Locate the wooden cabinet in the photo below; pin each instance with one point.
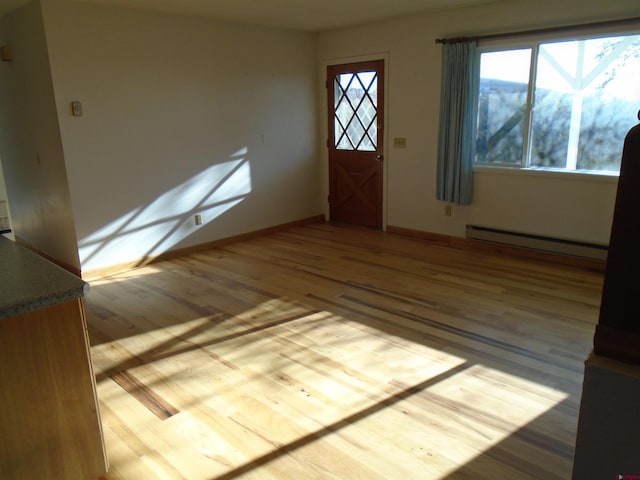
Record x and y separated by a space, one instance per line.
49 418
48 407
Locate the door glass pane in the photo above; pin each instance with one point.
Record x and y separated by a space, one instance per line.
355 106
502 106
355 131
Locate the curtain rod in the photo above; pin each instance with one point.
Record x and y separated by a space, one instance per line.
538 31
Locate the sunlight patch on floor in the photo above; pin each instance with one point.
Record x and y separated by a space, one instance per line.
315 386
100 278
491 406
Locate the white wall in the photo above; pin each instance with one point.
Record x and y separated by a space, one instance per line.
30 145
578 207
180 116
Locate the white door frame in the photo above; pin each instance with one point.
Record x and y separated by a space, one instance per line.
324 122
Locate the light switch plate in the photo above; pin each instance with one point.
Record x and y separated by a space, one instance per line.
400 142
76 108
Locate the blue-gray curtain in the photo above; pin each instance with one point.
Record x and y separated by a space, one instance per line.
457 135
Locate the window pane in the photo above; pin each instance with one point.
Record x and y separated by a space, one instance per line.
552 105
504 77
355 104
585 102
611 102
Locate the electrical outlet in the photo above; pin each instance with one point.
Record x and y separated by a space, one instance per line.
198 219
447 210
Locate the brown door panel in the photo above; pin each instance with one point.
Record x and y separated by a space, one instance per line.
356 114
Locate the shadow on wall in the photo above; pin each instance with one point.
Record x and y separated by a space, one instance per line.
153 229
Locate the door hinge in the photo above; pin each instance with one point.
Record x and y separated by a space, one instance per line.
328 198
326 84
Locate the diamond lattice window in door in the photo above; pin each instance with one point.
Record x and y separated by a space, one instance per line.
356 111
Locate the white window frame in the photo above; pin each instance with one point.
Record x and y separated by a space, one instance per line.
533 43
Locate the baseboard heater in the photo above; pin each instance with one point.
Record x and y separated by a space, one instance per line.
538 242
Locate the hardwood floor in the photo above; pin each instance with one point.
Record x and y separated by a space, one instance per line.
332 352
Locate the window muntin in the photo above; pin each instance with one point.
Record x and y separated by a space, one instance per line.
356 111
558 105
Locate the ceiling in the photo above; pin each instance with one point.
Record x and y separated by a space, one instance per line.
307 15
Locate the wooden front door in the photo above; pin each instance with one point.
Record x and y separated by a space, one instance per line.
356 115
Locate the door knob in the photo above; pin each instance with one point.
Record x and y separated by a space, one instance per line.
379 158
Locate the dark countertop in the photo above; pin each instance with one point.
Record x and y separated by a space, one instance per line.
29 282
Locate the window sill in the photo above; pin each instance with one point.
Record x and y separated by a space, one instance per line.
579 175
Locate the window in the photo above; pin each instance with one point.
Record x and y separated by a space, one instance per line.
356 111
562 105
